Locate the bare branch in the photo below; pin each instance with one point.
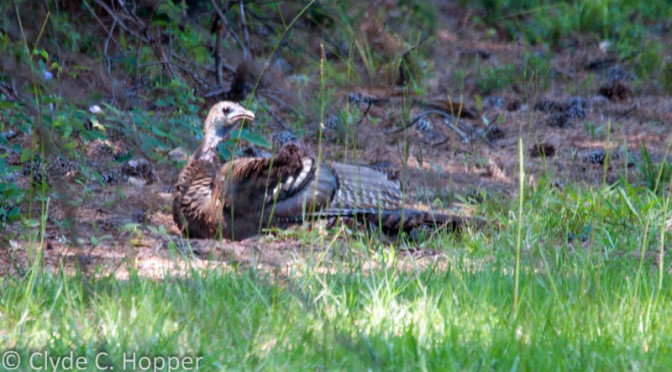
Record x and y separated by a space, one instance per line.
225 21
119 21
245 33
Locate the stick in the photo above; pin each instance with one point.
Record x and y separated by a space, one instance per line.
245 33
222 17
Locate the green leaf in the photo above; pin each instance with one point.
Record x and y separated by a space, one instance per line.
225 149
254 138
479 102
93 134
26 154
7 105
14 215
158 131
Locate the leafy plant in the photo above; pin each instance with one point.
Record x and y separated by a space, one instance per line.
655 176
493 78
593 130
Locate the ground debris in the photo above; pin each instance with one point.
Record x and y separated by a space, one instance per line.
494 133
598 156
139 168
559 120
616 91
573 106
543 149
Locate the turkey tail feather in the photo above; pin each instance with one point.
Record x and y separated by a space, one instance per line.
399 219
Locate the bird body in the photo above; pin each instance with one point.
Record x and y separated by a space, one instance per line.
237 199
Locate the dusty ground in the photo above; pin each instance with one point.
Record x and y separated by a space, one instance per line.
128 225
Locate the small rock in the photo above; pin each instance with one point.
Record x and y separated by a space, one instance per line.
139 168
95 109
136 181
494 101
178 154
598 156
605 45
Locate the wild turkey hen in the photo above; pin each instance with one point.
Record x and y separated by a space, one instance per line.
239 198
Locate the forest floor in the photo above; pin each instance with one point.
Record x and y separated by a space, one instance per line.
586 111
101 102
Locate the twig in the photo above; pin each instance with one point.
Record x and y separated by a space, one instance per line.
219 70
121 23
107 61
626 112
10 94
412 123
186 61
443 114
95 16
222 17
216 92
364 114
280 121
246 35
279 101
194 75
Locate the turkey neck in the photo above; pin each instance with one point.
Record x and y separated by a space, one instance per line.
208 148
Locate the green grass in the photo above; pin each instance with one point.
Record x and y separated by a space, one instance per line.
593 291
629 27
583 305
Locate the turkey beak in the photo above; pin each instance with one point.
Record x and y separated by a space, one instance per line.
242 114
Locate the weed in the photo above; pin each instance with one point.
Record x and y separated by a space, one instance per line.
593 130
652 174
495 78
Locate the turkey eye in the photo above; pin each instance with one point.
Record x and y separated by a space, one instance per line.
226 110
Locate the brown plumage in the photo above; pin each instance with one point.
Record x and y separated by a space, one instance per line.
239 198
